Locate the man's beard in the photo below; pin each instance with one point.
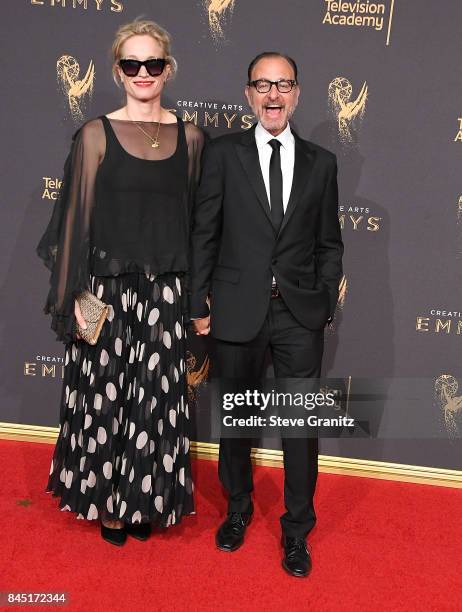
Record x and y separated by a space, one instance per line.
279 124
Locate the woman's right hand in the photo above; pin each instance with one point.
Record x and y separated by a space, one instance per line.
79 317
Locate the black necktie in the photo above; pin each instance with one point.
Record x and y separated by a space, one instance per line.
277 208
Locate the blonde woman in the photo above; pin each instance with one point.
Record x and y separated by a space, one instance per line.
120 229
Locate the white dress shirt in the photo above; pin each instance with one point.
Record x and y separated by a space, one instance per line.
287 140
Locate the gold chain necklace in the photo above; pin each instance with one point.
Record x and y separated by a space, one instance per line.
154 141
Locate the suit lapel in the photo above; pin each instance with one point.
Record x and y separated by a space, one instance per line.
248 155
302 169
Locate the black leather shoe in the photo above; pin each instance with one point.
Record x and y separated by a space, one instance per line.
297 560
230 535
117 537
139 531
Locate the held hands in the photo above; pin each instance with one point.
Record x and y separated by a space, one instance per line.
79 317
202 326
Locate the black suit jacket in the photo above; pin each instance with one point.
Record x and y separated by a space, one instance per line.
235 251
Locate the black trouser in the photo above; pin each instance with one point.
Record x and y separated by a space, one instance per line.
296 353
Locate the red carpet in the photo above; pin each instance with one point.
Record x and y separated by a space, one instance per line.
378 545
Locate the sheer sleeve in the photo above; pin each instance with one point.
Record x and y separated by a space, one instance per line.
65 245
195 139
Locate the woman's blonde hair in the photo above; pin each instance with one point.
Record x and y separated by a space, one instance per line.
137 27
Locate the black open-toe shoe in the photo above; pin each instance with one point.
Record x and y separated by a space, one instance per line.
117 537
139 531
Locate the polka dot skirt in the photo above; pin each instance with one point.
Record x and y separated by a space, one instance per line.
123 447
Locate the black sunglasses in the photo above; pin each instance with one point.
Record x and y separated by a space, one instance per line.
131 67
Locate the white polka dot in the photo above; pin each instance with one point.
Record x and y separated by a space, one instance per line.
107 470
124 302
123 507
92 512
167 339
153 361
84 366
178 285
83 486
115 426
178 330
131 476
153 403
72 398
67 358
121 380
133 302
139 311
104 357
109 504
168 463
74 352
131 358
172 417
99 292
152 446
92 379
118 346
102 435
97 402
111 391
80 440
124 466
73 441
168 295
68 481
160 426
67 394
132 431
153 316
140 358
91 445
110 313
140 395
176 376
186 445
164 384
91 481
181 476
146 483
159 503
136 518
121 413
141 440
82 463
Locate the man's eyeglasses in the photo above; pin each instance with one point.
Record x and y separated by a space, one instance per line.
131 67
264 86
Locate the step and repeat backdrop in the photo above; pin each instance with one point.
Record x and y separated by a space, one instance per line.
380 86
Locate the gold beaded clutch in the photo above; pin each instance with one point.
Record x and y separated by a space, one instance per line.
94 311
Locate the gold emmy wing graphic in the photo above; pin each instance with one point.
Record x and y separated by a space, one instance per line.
76 90
346 111
342 291
218 13
195 377
446 387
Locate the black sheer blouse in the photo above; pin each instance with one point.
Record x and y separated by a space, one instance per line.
124 206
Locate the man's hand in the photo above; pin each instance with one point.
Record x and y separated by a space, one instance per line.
202 326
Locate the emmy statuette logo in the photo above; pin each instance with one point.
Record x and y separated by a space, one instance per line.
348 113
77 91
219 11
342 291
446 387
195 377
